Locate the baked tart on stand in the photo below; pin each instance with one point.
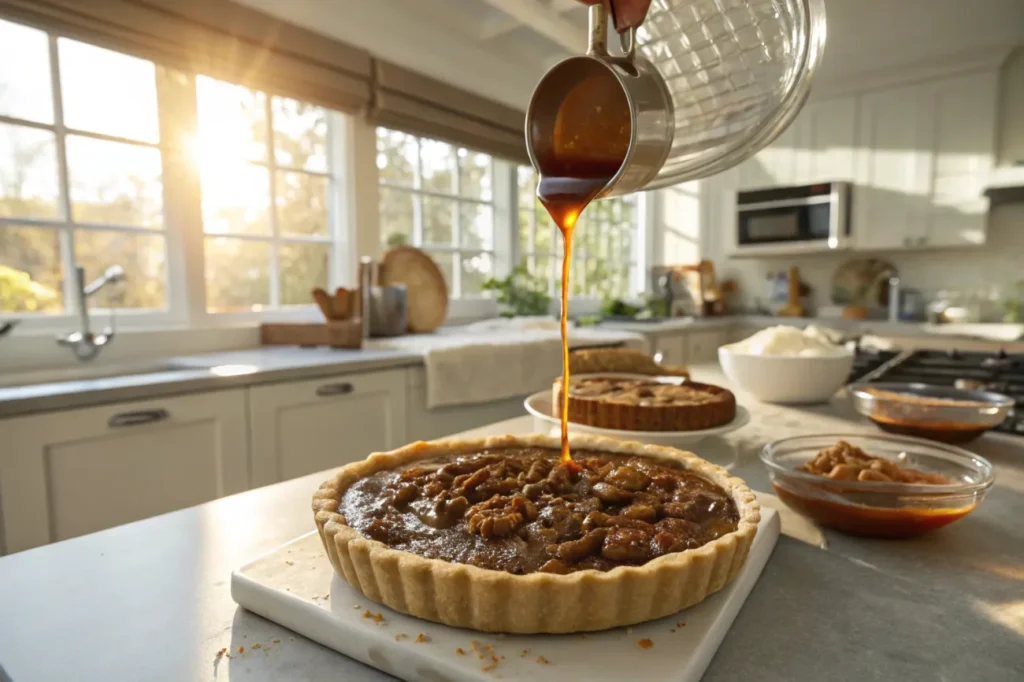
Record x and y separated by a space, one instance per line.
632 403
498 535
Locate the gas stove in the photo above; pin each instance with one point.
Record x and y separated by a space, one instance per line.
998 372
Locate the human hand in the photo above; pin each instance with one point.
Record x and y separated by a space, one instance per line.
628 13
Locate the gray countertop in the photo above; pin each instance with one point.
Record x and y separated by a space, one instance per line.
94 385
150 600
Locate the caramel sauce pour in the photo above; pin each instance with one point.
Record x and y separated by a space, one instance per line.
565 196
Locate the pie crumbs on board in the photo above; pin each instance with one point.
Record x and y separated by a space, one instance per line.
645 643
543 661
422 638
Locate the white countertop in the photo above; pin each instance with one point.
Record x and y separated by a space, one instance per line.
150 600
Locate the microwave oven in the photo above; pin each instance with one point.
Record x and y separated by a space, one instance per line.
800 219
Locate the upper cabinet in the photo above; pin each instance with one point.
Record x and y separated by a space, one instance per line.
826 135
924 152
891 179
963 145
918 156
818 146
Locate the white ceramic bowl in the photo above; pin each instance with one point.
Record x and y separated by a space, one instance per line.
786 379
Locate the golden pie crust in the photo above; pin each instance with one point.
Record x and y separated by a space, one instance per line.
466 596
629 403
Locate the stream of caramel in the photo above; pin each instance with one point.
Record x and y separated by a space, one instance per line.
565 198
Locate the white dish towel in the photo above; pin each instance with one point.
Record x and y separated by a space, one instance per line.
494 361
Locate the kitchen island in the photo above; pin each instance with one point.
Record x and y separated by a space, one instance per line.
151 601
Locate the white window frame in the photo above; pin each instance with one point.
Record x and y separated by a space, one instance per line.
353 220
183 229
476 304
638 261
67 226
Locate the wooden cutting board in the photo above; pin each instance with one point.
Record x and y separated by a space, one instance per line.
295 586
426 288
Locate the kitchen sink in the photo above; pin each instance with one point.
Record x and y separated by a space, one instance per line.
52 376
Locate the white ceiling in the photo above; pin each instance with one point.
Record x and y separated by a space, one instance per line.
500 48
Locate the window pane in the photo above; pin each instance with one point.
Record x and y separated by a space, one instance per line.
547 238
300 134
446 261
542 267
396 157
28 173
302 267
114 183
143 257
302 203
25 73
476 268
438 159
232 123
396 216
437 220
108 92
474 175
236 199
527 187
477 224
30 270
237 275
524 232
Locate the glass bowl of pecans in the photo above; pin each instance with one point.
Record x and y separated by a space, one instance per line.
877 486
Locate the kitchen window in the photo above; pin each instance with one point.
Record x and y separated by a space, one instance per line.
440 198
267 188
101 157
80 177
605 261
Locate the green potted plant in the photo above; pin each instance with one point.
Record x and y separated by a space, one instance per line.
520 293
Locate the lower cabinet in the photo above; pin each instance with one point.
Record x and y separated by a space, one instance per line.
68 473
702 346
305 426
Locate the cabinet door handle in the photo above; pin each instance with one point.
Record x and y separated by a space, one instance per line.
138 418
340 388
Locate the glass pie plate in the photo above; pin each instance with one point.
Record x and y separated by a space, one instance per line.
879 509
941 413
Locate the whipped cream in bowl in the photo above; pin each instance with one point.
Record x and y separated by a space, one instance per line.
791 342
788 365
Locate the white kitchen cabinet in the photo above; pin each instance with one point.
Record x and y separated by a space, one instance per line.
300 427
890 203
924 152
826 141
962 130
673 348
702 346
68 473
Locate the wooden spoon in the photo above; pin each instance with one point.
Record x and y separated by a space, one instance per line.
325 303
342 304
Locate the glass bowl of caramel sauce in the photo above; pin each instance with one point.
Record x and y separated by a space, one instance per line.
941 413
877 486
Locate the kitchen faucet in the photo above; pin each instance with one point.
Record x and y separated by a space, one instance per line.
83 343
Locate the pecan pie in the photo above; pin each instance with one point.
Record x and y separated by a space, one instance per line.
497 535
631 403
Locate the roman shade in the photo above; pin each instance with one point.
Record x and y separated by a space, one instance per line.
242 45
414 103
217 38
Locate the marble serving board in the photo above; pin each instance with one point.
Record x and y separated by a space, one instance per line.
295 586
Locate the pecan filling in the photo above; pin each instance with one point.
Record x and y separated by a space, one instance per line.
518 510
642 392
